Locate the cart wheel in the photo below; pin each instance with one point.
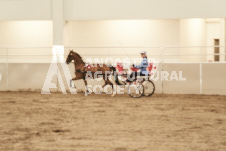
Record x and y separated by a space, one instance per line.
149 88
135 90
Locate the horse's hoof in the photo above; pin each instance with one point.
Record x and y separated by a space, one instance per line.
86 93
71 83
112 95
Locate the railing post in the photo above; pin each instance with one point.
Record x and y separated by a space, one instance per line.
162 66
7 68
200 70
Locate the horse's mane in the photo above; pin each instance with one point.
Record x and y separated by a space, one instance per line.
78 56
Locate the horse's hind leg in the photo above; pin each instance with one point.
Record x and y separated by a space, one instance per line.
107 82
111 79
86 88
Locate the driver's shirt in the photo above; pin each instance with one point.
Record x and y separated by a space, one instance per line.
143 66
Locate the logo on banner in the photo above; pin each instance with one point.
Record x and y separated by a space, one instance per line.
58 57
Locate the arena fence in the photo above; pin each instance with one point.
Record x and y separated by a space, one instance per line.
180 70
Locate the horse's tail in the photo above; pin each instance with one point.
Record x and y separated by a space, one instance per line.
115 75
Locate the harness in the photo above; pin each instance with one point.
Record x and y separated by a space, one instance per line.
83 70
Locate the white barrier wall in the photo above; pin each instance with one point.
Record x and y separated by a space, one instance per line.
31 76
186 80
3 77
214 78
28 76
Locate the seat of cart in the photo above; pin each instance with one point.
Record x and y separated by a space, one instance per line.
121 71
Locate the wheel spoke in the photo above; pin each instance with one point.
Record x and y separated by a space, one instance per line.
149 88
135 90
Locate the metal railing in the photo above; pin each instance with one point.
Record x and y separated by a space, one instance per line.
174 54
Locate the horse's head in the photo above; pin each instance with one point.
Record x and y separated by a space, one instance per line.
74 56
70 57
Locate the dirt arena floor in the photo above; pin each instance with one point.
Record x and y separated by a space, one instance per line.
31 121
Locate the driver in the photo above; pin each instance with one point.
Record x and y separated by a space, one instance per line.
143 68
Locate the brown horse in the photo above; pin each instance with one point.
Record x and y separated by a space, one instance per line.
81 70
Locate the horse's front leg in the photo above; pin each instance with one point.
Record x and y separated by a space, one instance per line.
78 76
71 81
86 88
